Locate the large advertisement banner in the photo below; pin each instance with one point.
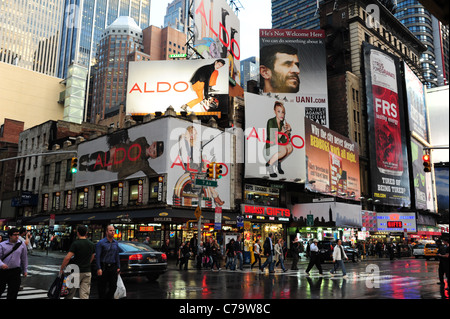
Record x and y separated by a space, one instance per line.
166 146
217 33
416 104
332 161
187 160
397 222
186 85
274 139
386 127
293 65
329 214
423 187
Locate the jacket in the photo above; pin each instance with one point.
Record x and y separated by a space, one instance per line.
267 248
279 252
337 253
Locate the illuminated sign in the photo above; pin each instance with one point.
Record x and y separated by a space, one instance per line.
394 224
265 211
397 222
147 228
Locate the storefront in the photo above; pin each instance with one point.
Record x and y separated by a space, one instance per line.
259 221
159 224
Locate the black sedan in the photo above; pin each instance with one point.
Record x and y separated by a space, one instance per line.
326 248
138 259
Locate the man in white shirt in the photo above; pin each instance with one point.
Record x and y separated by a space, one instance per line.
338 256
314 258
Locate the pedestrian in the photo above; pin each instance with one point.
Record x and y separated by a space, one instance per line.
108 264
314 258
147 241
193 243
179 253
239 252
200 254
216 255
443 261
82 251
230 253
268 252
13 262
165 248
295 251
256 254
207 258
338 256
25 237
185 255
279 254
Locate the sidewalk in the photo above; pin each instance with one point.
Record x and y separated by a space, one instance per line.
52 254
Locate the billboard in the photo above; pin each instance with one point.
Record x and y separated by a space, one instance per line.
293 65
415 96
191 85
397 222
217 33
332 161
165 146
329 214
274 139
386 127
423 186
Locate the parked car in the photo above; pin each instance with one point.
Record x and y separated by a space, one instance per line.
418 251
326 248
430 251
138 259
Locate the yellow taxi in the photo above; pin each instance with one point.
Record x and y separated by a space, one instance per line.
430 251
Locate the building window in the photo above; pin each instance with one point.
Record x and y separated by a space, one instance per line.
57 173
46 175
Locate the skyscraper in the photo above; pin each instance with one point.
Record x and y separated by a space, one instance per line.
176 15
433 34
29 34
119 40
302 14
84 22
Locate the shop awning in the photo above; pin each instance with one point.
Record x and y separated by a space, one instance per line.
161 214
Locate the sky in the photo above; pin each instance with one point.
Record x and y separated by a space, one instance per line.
255 15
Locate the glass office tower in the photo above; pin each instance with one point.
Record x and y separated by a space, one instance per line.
302 14
85 20
30 33
433 34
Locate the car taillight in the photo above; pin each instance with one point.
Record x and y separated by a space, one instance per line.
164 257
136 257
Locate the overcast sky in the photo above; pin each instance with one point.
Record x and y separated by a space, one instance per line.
255 15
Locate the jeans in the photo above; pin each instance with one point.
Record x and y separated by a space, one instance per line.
240 258
269 261
337 264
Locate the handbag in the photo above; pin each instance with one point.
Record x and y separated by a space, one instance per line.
121 292
55 289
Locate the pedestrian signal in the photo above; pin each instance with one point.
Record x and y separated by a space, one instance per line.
210 170
74 165
218 171
426 163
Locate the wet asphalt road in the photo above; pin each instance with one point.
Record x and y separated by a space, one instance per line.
399 279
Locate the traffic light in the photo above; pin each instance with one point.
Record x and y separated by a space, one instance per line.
218 171
74 165
210 170
426 163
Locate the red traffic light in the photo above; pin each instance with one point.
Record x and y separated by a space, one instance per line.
426 163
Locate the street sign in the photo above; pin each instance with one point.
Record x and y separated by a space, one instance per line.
205 182
179 55
198 212
309 220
